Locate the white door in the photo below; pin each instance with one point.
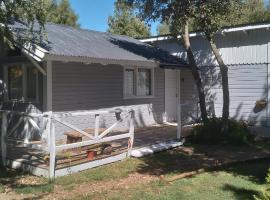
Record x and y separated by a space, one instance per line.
172 88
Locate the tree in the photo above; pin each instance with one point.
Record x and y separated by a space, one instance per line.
124 22
179 14
62 13
27 11
163 29
210 16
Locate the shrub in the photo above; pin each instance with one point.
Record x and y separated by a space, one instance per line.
211 133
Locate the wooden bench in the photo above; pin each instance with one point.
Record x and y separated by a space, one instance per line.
73 137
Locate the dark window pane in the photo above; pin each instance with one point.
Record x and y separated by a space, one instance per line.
31 83
15 82
144 82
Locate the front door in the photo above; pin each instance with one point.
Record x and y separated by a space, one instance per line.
172 91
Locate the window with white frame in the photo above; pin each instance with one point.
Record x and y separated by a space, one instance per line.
138 82
22 82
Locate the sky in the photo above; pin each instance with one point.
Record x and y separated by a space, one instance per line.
93 14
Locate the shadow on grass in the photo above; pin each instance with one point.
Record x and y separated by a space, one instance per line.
21 182
182 160
240 193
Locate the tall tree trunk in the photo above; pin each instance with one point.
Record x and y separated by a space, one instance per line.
195 72
225 84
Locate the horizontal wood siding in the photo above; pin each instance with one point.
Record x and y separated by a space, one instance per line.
95 87
247 84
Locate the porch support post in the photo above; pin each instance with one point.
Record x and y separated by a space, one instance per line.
268 85
49 86
131 132
96 125
179 125
52 150
3 138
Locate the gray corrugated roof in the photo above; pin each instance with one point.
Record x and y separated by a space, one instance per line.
68 41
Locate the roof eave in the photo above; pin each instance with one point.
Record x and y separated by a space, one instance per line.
200 33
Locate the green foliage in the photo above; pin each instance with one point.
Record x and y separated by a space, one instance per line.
210 133
163 29
62 13
29 11
124 22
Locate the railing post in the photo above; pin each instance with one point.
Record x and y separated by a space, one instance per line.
96 125
52 149
179 124
3 138
131 132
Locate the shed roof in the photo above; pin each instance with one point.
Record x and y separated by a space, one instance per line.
65 41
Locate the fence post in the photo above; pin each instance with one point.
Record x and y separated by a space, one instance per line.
131 132
96 125
179 125
52 148
3 138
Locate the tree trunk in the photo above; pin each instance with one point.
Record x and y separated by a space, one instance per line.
195 72
225 84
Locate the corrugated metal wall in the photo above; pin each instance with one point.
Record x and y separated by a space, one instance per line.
246 54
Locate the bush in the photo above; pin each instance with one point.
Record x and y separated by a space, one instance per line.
210 133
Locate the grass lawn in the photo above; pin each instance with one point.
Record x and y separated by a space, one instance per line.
237 182
113 181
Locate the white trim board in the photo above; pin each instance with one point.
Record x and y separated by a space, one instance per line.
195 34
268 85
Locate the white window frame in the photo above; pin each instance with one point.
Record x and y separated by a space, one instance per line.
24 83
136 96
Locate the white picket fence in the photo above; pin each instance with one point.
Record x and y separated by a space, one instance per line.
48 129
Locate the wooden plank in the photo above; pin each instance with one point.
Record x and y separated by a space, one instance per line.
90 142
108 130
97 116
52 151
3 138
73 127
131 132
82 113
15 126
88 165
26 131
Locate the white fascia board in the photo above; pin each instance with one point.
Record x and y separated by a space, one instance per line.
35 51
88 60
227 30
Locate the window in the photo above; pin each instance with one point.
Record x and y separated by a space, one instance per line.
138 82
22 82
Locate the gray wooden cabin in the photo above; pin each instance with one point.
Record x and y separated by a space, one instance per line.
81 70
246 52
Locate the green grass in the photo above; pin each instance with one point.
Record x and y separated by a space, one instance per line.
1 188
108 172
238 182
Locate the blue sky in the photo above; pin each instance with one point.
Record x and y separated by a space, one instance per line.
93 14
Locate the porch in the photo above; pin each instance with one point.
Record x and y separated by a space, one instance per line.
49 156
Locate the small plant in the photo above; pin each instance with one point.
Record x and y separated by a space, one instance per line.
211 133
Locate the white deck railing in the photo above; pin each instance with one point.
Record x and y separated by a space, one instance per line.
48 129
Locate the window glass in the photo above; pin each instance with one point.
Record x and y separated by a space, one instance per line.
144 82
31 83
129 82
15 82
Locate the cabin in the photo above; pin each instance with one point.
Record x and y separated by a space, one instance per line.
73 99
246 52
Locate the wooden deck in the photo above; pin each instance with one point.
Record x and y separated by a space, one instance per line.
36 159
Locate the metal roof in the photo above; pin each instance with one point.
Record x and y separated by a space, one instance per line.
93 46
